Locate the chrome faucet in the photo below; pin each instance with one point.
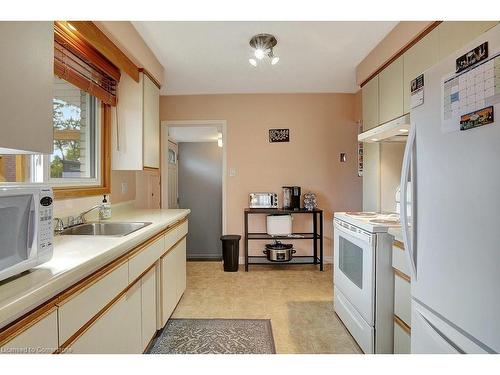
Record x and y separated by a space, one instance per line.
59 225
80 219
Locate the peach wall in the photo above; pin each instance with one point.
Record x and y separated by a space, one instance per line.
126 37
394 42
321 127
119 177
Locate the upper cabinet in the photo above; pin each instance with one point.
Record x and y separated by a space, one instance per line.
369 97
387 95
136 125
416 60
454 34
27 80
390 82
151 121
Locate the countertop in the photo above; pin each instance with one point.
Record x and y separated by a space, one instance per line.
76 257
397 233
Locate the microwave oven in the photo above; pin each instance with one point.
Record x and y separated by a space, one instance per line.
26 234
263 200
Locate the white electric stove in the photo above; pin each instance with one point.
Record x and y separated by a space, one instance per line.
363 278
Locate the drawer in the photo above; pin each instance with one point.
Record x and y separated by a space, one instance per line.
402 340
402 299
172 237
83 305
399 260
116 331
145 258
39 338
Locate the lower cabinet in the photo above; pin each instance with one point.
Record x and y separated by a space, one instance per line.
402 300
118 330
148 307
39 338
118 309
402 338
172 279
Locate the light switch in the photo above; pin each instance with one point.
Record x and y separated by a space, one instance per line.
232 172
124 187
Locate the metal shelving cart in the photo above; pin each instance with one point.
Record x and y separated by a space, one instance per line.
316 236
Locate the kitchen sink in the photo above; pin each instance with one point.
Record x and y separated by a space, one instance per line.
113 229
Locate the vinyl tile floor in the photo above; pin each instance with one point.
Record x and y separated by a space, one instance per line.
297 299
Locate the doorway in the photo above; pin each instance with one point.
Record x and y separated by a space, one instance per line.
194 172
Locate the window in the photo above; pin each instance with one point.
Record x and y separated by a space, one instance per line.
76 119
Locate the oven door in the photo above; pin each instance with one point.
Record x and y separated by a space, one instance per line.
354 268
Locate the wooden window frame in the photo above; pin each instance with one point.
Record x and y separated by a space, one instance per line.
105 163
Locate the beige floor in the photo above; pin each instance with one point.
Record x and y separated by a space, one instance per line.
297 299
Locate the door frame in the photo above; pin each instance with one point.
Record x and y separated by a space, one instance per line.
164 159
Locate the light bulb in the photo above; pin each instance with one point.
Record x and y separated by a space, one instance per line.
403 130
274 60
252 62
219 142
259 53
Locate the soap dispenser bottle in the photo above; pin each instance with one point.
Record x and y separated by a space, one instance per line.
105 210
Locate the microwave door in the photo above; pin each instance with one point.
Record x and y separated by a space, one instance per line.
17 226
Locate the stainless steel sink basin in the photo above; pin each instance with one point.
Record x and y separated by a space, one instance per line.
112 229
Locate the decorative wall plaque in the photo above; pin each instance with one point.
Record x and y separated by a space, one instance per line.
279 135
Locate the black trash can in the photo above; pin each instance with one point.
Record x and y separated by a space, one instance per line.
230 252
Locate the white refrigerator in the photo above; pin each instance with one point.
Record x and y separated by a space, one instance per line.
453 233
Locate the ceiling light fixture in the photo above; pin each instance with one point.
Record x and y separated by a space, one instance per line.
263 45
403 130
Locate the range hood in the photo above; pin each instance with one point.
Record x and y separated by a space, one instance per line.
393 131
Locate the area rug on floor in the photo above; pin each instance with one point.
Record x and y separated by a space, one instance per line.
215 336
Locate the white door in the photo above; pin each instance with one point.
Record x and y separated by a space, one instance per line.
354 268
173 201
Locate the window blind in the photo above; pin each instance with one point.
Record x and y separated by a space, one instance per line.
80 64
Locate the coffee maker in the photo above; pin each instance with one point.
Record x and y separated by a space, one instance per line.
291 197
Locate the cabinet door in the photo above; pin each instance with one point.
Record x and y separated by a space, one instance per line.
369 95
118 330
151 117
148 285
402 340
126 125
371 177
168 285
40 338
454 34
390 82
181 268
27 78
416 60
402 299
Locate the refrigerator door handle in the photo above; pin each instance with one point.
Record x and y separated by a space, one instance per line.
407 161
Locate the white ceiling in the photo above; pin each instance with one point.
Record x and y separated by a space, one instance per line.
212 57
193 133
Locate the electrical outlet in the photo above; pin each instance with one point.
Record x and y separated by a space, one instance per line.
232 172
124 187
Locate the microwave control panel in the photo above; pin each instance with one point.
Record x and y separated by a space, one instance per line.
45 233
